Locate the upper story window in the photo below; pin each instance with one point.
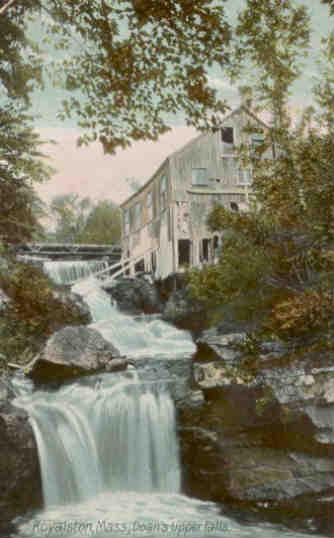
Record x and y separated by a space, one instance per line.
126 220
137 216
227 134
199 177
163 192
149 205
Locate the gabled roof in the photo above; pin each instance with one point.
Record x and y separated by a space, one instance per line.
176 152
248 111
143 187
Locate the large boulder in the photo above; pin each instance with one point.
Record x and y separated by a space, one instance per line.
184 312
72 352
20 478
136 295
265 436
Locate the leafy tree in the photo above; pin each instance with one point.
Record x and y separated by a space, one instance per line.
271 39
277 261
21 163
20 61
71 213
129 64
330 3
324 89
103 225
80 221
137 62
34 311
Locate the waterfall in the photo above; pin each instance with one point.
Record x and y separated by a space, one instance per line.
145 335
104 433
135 337
108 445
66 272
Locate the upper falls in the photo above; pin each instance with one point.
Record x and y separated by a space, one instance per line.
105 433
108 444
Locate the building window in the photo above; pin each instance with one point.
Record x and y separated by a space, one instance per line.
245 176
205 250
149 206
227 134
137 216
163 192
184 248
126 217
200 177
215 242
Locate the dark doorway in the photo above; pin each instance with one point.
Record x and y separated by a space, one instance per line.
184 251
205 250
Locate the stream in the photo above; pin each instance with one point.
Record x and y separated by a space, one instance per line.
108 445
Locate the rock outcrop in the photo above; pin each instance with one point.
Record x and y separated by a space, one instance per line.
265 437
136 296
70 299
184 312
72 352
20 478
168 297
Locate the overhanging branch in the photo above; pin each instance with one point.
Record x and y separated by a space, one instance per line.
6 6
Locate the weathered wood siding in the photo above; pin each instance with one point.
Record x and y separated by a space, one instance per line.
194 203
154 231
187 206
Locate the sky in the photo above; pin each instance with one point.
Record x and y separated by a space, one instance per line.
88 172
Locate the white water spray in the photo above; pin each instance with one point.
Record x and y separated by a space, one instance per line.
105 433
108 447
67 272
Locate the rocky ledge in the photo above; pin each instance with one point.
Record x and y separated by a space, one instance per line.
136 295
264 438
168 297
73 352
20 478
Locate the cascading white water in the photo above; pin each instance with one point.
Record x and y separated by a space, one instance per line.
104 433
108 446
66 272
140 336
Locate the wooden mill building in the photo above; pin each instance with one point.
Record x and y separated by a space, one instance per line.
164 224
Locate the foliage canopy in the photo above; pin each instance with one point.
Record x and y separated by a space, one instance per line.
139 62
78 220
